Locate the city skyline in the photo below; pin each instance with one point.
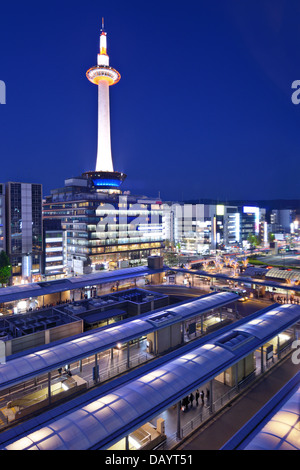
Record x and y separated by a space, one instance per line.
150 232
201 111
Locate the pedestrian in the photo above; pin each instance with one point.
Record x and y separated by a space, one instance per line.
191 399
207 395
202 397
186 403
197 397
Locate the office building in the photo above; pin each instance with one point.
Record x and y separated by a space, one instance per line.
281 220
199 228
54 244
24 235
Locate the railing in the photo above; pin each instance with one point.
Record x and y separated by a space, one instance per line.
207 412
123 366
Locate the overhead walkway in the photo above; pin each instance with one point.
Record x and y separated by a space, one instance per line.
104 420
240 279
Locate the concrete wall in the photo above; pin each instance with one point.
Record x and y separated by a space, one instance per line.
40 338
157 278
245 367
166 338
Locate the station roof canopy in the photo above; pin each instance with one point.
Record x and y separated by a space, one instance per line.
31 364
255 271
282 432
291 275
276 426
100 422
37 289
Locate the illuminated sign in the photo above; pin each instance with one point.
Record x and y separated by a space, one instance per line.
107 182
220 210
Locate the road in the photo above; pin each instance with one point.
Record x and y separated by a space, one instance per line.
283 259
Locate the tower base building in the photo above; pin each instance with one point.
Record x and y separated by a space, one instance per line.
104 229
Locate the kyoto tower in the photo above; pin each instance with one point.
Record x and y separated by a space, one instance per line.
104 76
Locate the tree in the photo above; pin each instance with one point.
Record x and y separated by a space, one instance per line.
253 240
5 268
245 262
170 258
167 244
178 246
271 237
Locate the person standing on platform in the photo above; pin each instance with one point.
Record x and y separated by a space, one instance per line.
192 399
207 396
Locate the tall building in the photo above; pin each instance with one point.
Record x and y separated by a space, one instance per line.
24 235
104 227
281 219
196 227
249 217
53 254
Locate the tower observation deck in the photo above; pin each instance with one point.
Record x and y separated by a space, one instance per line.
103 75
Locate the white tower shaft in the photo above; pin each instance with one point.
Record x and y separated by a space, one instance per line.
103 76
104 156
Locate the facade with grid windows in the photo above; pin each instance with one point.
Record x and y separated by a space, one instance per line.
24 234
104 229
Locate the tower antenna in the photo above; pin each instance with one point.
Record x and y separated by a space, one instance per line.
102 24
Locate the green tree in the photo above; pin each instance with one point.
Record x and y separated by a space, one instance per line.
5 268
271 237
171 258
167 244
253 240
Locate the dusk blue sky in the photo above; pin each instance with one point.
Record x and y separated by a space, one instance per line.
203 108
